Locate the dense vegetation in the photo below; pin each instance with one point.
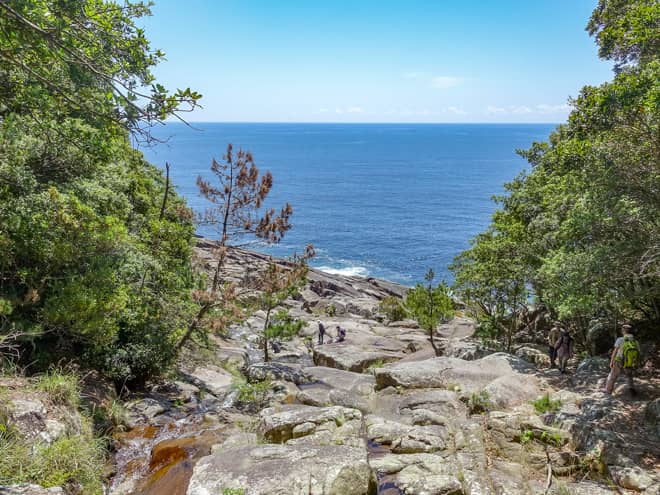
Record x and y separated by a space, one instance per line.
95 249
580 233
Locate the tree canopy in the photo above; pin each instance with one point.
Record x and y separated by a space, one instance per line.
96 247
580 232
85 59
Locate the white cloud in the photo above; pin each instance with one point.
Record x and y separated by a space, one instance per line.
344 110
412 75
457 111
493 110
520 110
545 109
445 82
541 109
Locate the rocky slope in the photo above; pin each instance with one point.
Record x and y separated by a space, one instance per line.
380 414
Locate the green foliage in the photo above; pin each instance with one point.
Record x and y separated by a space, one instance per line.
376 365
579 233
393 308
479 402
545 404
552 438
251 394
330 310
61 387
78 459
626 31
233 491
526 437
429 305
96 249
277 283
83 58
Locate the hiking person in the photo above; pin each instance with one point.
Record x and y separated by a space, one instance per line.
341 334
553 336
564 349
321 332
625 357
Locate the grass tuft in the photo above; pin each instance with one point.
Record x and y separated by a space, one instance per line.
545 404
61 387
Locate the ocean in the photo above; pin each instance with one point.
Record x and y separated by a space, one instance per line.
381 200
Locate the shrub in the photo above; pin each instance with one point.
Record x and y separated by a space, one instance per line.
331 310
253 394
545 404
479 402
392 307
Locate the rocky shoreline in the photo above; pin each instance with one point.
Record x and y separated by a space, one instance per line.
377 413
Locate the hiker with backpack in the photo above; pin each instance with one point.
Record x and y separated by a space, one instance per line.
625 358
564 349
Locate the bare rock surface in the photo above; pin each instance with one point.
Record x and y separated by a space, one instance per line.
284 470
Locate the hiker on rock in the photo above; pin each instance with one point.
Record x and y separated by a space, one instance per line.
341 334
625 357
553 336
321 333
564 349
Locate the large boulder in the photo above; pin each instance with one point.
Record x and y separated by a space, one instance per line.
351 357
212 379
600 337
470 376
277 371
284 470
285 423
407 439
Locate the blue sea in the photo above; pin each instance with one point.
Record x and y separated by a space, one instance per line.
380 200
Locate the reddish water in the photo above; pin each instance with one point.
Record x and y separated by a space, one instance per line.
159 460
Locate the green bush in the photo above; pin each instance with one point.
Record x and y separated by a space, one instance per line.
252 394
479 402
392 307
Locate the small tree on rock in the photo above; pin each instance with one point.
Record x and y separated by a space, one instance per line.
430 306
237 212
277 283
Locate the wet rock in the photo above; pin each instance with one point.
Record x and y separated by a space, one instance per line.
284 470
144 410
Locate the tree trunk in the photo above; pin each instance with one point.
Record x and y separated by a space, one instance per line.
266 334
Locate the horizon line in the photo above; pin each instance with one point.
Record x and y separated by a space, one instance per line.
348 123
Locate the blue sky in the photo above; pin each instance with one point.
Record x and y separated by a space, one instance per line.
377 61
